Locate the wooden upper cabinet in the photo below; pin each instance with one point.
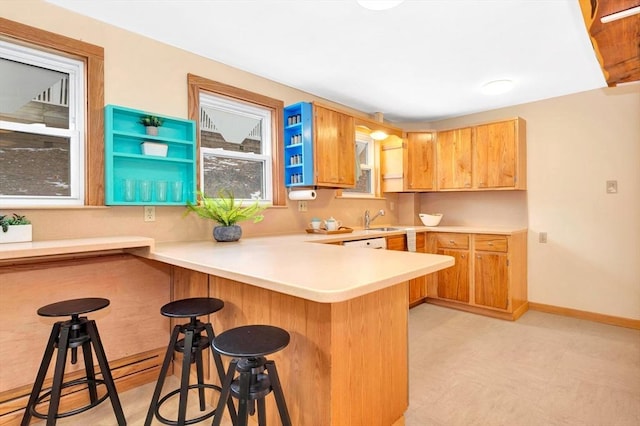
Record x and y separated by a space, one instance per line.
453 149
420 161
334 148
499 155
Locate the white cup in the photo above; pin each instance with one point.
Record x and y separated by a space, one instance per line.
315 224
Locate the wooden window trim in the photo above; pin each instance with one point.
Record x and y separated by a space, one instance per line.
93 58
198 84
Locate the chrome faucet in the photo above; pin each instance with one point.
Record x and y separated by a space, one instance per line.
368 219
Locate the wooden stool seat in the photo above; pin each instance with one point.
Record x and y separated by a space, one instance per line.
68 308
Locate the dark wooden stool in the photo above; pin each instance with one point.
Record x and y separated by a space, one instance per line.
248 345
72 334
198 336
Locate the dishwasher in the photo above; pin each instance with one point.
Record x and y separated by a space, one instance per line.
373 243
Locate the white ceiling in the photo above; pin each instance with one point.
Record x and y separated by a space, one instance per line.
421 61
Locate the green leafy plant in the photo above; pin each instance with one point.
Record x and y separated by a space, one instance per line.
151 120
225 210
6 221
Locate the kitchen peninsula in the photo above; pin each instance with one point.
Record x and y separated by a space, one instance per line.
345 308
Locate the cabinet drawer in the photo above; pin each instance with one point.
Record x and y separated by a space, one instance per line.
460 241
491 243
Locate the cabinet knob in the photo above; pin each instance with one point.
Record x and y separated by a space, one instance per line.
462 256
451 242
479 257
490 243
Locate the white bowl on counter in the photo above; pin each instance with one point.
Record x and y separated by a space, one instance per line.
430 219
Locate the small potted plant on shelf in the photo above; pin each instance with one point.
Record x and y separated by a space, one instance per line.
227 212
15 229
151 124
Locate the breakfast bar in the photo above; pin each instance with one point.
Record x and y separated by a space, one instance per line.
345 308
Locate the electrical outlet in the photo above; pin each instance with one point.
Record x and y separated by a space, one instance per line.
302 206
542 237
149 214
612 187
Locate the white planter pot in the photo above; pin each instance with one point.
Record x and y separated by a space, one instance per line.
17 234
153 148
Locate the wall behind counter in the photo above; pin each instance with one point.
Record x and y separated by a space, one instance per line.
145 74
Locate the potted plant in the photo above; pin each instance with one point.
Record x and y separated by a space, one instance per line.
227 212
15 229
151 124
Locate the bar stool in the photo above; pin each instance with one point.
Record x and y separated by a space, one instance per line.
72 334
191 346
248 346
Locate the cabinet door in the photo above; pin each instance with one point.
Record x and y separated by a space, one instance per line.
420 161
453 282
417 290
491 282
495 156
453 148
334 144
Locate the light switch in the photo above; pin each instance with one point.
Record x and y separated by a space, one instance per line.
612 187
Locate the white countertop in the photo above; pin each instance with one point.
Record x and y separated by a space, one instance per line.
77 245
289 264
284 263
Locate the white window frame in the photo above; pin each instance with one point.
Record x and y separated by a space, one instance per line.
349 192
76 131
255 112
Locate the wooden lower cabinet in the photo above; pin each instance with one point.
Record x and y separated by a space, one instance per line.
489 277
417 286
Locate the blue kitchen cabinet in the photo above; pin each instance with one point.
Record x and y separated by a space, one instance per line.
125 161
298 145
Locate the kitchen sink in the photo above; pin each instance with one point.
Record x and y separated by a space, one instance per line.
384 229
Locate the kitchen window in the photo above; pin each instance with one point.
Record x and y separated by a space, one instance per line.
51 119
365 168
42 124
239 134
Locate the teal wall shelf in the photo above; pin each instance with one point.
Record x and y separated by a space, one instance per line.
171 179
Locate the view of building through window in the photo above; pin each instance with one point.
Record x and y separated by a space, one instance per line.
235 148
40 126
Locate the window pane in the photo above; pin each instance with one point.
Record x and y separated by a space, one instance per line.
30 94
230 131
364 182
362 152
34 165
244 178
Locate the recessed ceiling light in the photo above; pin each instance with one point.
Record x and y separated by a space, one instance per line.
379 4
497 87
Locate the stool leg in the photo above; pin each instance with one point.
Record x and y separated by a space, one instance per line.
42 372
163 375
200 374
262 413
184 381
225 396
243 399
106 372
58 376
88 368
277 392
220 367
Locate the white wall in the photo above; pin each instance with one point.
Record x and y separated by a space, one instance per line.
574 145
